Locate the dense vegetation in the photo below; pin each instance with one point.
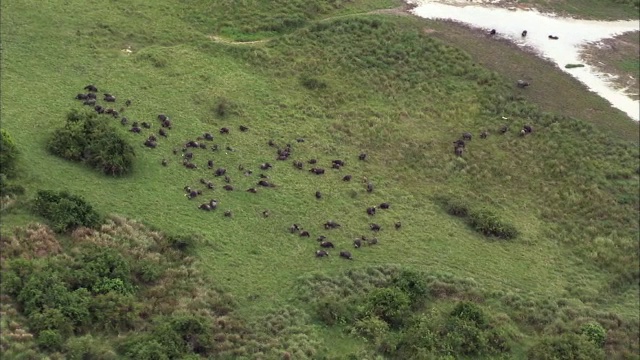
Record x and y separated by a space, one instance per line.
564 285
88 139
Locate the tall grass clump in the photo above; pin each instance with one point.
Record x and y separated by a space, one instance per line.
86 138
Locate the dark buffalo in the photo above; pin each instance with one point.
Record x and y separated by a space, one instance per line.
369 187
492 32
371 210
188 155
163 133
190 165
318 195
300 140
298 164
252 190
504 129
305 233
165 162
81 97
346 178
321 253
90 102
398 225
243 128
331 225
92 96
228 187
166 124
224 130
321 238
312 161
163 117
357 243
346 255
552 37
227 179
317 171
293 228
362 156
109 98
265 183
528 129
466 136
146 125
458 151
375 227
327 244
124 121
336 166
210 164
128 102
385 205
265 166
205 207
524 33
135 129
91 88
220 171
372 241
522 84
339 162
99 109
228 213
208 136
484 134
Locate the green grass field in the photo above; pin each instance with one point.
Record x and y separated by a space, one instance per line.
393 91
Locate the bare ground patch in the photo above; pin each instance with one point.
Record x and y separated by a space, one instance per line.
619 56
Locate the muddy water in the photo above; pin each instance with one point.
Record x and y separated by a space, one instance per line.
572 35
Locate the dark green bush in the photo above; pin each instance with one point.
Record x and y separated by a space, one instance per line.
488 224
114 312
456 207
65 211
102 270
50 340
8 154
468 311
312 83
567 346
9 189
184 243
333 310
88 139
144 348
413 284
389 304
180 334
595 332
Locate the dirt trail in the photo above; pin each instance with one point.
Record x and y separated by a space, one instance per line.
399 11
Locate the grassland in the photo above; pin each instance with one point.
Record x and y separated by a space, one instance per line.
589 9
394 91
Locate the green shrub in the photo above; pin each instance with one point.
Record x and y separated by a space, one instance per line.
566 346
488 224
102 270
333 310
389 304
88 139
312 83
595 332
114 312
8 153
184 243
456 207
9 189
50 340
225 107
144 348
372 328
65 211
468 311
413 284
88 347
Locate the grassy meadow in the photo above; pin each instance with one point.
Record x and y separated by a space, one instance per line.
386 87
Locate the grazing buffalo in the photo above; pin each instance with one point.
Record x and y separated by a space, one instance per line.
108 111
372 241
458 151
192 194
346 178
321 238
135 129
213 203
190 165
228 187
228 213
317 171
166 124
492 32
220 171
252 190
205 207
90 102
294 228
146 125
163 133
128 102
528 129
504 129
109 98
208 136
81 97
305 233
321 253
466 136
371 210
99 109
338 162
459 143
362 156
265 166
224 130
266 213
524 33
484 134
385 205
150 144
357 243
91 88
271 143
188 155
227 179
263 176
398 225
92 96
312 161
318 195
214 147
115 114
164 162
522 84
210 164
327 244
552 37
265 183
187 189
331 225
124 121
300 140
152 138
346 255
336 166
210 185
243 128
163 117
369 187
375 227
298 164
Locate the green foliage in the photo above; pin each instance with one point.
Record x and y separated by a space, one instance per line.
471 312
50 340
594 332
102 270
144 348
312 83
8 154
88 139
413 284
566 346
113 312
184 334
89 347
183 243
65 211
372 327
571 66
389 304
7 188
489 224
